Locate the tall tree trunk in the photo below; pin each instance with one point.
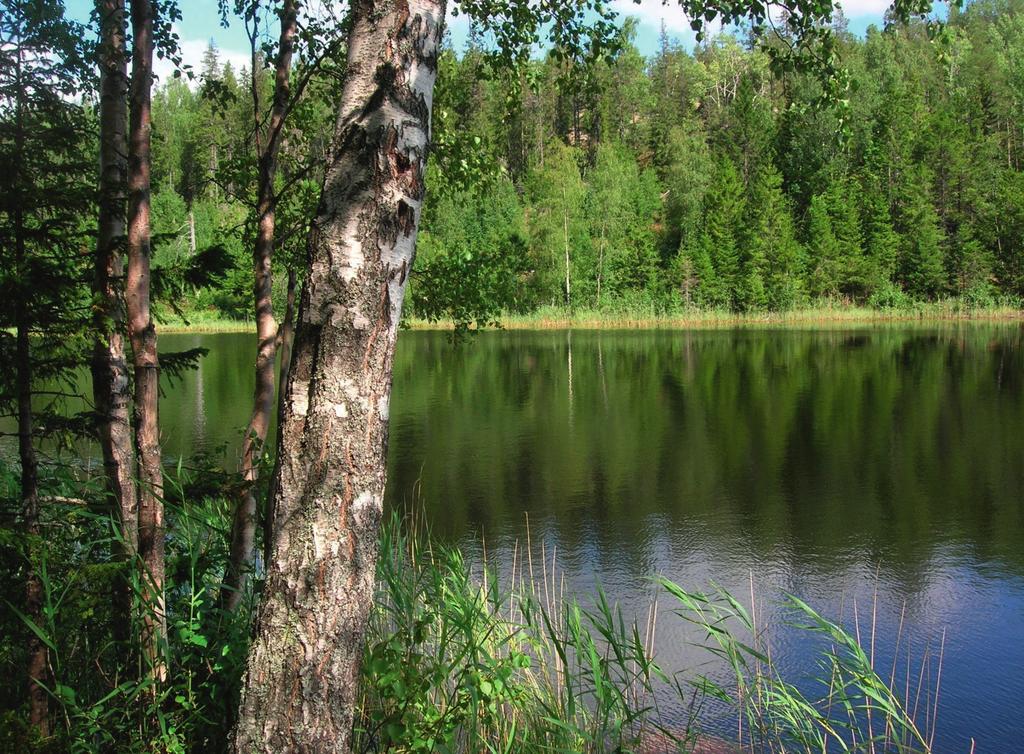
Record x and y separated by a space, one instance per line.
38 706
142 332
565 238
37 657
285 337
300 687
242 551
110 383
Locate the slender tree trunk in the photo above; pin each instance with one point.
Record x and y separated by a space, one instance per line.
242 551
565 236
37 657
300 688
38 706
110 383
600 265
285 337
142 332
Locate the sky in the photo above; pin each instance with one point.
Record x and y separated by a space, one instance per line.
201 23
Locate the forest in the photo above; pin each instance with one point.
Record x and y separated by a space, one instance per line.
693 179
363 177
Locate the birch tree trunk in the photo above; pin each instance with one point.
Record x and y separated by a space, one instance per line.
142 333
242 550
300 688
110 383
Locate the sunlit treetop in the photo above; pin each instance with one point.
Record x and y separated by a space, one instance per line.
797 35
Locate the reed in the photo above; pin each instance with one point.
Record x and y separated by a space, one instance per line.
463 658
820 314
653 316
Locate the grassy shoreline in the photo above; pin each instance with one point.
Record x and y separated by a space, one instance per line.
553 318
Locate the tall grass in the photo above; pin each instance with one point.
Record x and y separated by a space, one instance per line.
101 698
653 313
643 314
462 658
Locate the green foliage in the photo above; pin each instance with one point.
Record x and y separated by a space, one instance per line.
559 243
46 200
100 703
712 178
464 662
621 205
881 243
471 257
921 261
823 248
717 249
774 259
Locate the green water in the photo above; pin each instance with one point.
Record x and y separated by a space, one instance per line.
833 464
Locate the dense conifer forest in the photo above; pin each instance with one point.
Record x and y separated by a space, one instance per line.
693 178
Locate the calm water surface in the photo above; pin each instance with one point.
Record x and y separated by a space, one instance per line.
829 464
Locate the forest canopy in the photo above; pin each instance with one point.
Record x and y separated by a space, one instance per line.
692 178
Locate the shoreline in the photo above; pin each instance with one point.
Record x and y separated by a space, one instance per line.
840 317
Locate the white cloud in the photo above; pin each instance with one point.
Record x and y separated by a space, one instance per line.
861 8
654 13
192 51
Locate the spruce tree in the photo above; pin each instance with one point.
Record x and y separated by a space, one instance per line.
970 265
46 202
881 243
823 249
708 290
774 262
843 207
722 220
921 260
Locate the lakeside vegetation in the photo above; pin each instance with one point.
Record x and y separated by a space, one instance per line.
459 656
685 179
826 315
555 317
758 179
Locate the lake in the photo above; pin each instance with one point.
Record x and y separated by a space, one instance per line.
833 464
